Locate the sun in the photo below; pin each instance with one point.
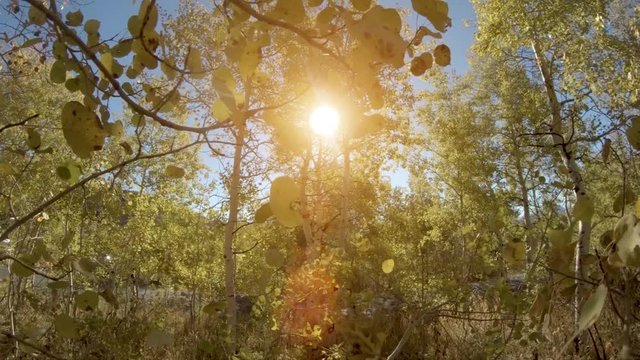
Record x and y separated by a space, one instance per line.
324 120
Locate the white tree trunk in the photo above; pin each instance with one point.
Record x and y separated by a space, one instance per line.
229 257
568 159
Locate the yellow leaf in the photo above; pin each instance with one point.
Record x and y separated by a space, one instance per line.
82 129
387 266
74 18
436 11
283 197
290 11
583 209
194 64
361 5
442 55
175 172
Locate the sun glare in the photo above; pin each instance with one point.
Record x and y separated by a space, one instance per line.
324 120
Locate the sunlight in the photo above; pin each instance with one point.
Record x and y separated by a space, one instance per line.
324 120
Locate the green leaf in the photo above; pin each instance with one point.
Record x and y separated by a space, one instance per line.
583 209
134 25
263 213
6 169
115 130
274 257
34 140
622 200
58 73
388 265
436 11
174 172
219 110
74 18
31 42
214 307
87 300
92 26
592 308
194 64
633 133
158 338
109 297
82 129
148 13
69 171
66 327
22 271
167 70
36 16
85 266
283 197
626 235
515 253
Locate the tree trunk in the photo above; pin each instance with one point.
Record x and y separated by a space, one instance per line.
568 159
531 240
346 188
313 249
229 257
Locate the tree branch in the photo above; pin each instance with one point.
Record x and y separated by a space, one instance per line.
8 126
80 183
116 85
275 22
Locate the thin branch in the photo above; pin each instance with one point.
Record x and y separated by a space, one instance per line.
304 35
116 85
80 183
21 262
32 345
8 126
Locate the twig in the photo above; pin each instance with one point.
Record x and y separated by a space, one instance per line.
21 262
8 126
68 190
32 345
271 21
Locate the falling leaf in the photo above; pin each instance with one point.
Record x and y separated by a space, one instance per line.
263 213
583 209
387 266
87 300
274 257
66 326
